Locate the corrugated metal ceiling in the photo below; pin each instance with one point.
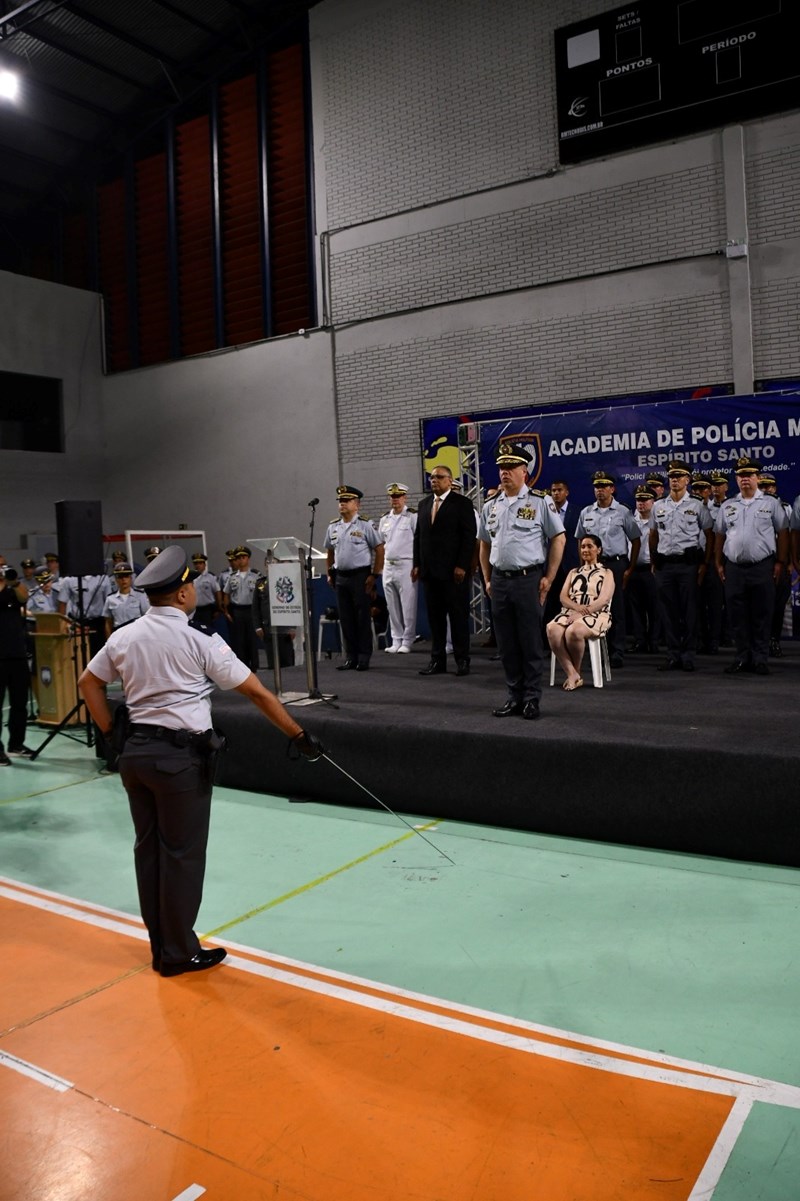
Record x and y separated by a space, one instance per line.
93 73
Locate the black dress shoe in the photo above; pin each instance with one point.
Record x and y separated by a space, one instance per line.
531 711
509 709
737 667
434 668
199 962
617 661
362 666
687 666
670 665
761 669
348 665
462 667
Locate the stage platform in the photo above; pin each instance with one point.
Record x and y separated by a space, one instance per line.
703 763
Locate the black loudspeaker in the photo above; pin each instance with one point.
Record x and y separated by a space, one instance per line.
79 525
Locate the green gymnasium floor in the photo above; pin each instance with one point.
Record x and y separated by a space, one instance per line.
685 958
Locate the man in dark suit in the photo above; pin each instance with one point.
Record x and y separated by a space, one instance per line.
569 514
445 543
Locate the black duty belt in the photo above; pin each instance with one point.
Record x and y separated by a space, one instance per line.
179 738
613 558
352 570
248 607
517 571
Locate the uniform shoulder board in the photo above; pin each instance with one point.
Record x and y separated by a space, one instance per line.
411 509
194 624
538 492
262 582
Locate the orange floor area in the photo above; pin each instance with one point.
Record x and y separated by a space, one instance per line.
250 1087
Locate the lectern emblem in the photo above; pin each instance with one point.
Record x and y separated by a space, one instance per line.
284 590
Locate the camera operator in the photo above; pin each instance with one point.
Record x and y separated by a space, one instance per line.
14 675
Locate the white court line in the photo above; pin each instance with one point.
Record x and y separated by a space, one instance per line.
57 1083
191 1193
660 1069
720 1153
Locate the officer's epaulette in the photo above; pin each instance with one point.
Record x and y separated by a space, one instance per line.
538 492
201 629
262 582
411 508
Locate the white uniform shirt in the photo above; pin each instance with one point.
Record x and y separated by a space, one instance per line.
168 669
397 532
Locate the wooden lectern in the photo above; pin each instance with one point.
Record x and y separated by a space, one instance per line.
57 646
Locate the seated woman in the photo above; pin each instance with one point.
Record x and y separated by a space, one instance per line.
585 604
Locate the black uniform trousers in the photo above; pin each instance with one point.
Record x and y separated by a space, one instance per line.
712 610
617 565
354 605
677 598
517 617
243 635
169 793
443 599
750 599
783 590
642 598
15 679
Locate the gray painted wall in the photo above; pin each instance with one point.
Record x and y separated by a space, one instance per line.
50 330
234 443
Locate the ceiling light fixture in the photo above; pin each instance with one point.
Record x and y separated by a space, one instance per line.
9 85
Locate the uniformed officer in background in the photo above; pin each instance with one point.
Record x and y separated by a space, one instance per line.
613 524
168 670
87 593
355 561
752 550
518 570
125 604
206 586
642 594
783 589
41 598
681 546
396 528
238 600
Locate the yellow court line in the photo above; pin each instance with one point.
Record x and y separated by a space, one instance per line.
44 791
296 892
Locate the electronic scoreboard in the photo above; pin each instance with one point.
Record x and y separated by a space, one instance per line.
664 68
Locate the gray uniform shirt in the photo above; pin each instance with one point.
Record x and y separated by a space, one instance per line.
122 609
352 543
95 590
519 529
614 526
168 669
750 527
207 586
240 587
679 524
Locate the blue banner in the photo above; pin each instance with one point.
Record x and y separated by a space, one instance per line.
631 439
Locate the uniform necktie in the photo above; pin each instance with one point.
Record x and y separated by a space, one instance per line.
437 500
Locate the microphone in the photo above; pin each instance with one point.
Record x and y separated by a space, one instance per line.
313 502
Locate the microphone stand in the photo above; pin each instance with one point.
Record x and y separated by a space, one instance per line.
311 648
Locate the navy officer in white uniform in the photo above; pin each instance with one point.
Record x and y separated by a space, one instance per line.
518 570
168 671
396 528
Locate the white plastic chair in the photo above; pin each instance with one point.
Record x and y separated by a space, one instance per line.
598 657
